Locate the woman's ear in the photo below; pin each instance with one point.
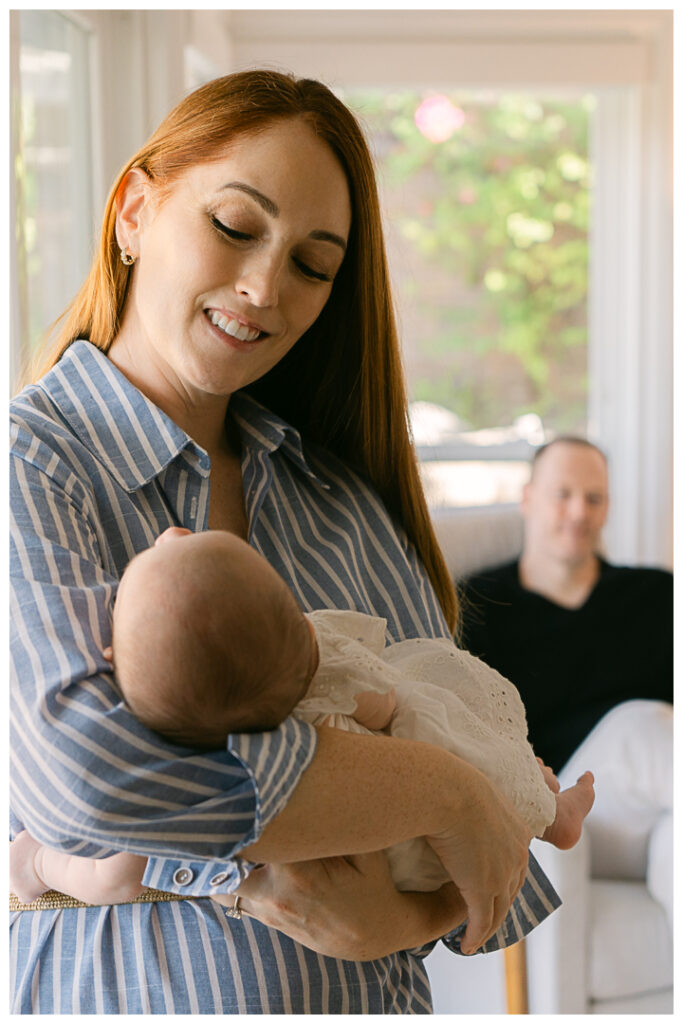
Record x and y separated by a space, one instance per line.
132 198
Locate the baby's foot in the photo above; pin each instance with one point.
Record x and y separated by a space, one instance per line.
573 805
23 880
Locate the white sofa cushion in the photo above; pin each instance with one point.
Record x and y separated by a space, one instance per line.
630 948
660 867
478 538
661 1001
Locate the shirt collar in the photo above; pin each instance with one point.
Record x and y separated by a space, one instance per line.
262 429
126 432
135 439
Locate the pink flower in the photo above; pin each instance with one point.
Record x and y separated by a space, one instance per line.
437 118
467 196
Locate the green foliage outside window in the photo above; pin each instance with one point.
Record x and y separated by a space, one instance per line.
490 198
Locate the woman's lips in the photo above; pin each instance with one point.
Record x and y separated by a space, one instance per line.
234 326
240 336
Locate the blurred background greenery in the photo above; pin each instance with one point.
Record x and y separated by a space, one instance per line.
487 200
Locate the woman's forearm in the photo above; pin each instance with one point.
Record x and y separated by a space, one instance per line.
363 793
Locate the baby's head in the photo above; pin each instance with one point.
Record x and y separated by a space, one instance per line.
208 639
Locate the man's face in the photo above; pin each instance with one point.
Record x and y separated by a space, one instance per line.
565 503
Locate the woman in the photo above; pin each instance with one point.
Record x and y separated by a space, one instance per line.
240 372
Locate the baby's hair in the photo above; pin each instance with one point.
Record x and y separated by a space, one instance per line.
206 652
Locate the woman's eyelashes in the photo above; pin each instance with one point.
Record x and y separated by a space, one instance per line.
243 236
317 275
236 236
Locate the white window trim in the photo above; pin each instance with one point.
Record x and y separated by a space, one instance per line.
18 288
125 107
18 294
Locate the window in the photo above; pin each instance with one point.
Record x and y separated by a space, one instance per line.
486 197
52 168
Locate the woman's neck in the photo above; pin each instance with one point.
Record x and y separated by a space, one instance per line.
202 416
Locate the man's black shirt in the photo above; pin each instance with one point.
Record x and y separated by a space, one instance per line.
572 665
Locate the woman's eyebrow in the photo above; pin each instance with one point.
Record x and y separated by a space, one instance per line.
328 236
274 210
267 204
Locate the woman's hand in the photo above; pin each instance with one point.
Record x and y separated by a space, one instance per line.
486 853
347 907
476 832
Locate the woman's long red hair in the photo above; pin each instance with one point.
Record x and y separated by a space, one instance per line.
342 384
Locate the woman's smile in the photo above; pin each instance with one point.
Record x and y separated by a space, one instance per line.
234 328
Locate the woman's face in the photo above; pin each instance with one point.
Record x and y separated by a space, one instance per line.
234 265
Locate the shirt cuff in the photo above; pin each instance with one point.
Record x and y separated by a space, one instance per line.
274 762
195 877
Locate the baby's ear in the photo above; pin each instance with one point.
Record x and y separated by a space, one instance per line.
108 654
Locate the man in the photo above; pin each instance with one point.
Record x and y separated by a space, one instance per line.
589 645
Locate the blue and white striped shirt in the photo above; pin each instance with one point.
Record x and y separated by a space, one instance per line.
97 472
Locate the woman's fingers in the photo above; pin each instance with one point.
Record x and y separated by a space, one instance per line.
345 907
253 891
478 927
492 917
486 852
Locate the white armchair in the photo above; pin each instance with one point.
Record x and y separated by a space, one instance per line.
608 949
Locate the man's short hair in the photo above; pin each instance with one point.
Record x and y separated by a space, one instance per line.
575 439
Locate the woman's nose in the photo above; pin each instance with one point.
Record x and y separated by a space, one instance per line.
259 280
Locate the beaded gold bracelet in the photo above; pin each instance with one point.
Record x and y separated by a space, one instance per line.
52 900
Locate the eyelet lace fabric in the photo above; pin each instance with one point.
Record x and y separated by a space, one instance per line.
444 696
350 647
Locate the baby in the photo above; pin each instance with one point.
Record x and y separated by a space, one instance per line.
208 640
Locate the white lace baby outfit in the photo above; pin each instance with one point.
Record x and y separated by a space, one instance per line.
444 696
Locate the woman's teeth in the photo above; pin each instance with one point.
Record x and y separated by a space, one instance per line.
234 328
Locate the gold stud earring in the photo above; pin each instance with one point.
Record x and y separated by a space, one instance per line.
127 258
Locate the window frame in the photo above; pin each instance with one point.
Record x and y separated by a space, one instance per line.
19 320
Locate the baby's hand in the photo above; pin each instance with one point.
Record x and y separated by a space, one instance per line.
374 710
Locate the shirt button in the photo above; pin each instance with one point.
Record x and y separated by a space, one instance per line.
183 876
218 879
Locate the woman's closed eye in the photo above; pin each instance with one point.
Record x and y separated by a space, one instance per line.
304 267
236 236
307 271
